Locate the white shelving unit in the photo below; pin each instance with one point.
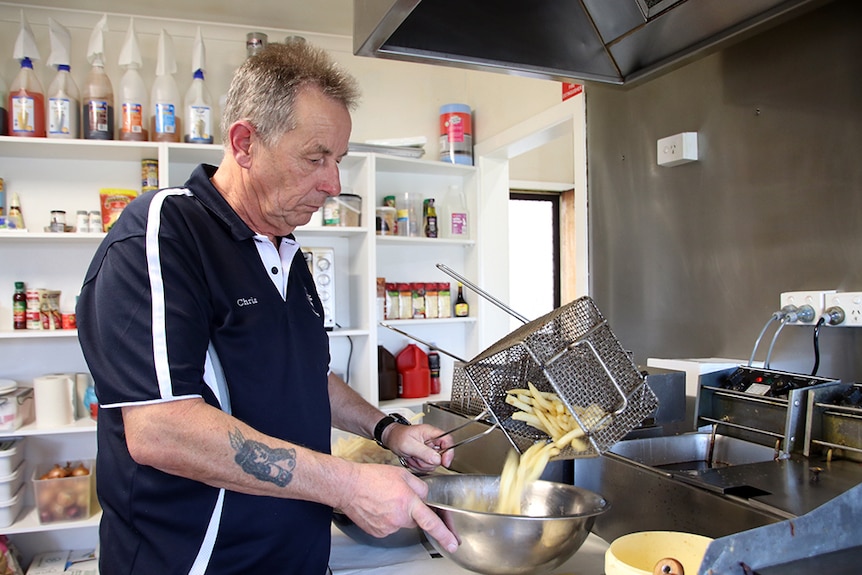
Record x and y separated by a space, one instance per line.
68 174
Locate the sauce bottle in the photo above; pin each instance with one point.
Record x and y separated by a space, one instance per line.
198 111
4 110
133 106
19 307
434 368
63 105
15 216
26 110
462 308
98 104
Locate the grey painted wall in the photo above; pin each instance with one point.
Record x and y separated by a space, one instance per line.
690 261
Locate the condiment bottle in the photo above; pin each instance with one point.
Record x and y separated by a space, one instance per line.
19 307
97 114
430 218
198 111
26 103
15 216
63 105
132 104
462 308
165 124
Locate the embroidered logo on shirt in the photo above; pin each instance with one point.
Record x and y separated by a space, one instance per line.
244 301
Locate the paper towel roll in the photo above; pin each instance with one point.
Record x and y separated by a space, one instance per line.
54 400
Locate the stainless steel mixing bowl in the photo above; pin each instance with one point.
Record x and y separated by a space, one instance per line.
555 522
401 538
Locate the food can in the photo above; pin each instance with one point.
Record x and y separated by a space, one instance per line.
149 175
456 134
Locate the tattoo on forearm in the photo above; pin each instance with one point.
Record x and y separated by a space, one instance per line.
261 461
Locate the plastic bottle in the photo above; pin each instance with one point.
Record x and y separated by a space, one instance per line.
132 106
26 109
19 307
415 380
434 368
165 124
455 219
97 112
15 216
198 111
63 105
4 110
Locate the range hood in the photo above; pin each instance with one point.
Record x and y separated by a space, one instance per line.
611 41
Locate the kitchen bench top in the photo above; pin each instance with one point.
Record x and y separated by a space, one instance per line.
351 558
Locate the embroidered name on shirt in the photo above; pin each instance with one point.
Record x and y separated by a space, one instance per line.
244 301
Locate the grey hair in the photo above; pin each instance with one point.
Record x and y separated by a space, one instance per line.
263 90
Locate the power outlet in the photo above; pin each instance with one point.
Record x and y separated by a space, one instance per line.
851 304
677 149
816 299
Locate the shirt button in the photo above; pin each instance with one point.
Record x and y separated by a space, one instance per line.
274 270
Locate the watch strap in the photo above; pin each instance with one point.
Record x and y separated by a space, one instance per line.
386 422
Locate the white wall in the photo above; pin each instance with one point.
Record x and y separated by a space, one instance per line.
399 99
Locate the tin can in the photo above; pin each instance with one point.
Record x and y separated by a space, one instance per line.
456 134
149 175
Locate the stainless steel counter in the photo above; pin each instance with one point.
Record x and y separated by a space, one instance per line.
351 558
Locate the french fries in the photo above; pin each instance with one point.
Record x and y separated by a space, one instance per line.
362 450
546 412
519 472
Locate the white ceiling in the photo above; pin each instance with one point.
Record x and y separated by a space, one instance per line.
318 16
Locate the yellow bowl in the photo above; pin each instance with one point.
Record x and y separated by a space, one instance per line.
638 553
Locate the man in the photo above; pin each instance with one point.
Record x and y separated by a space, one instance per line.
204 334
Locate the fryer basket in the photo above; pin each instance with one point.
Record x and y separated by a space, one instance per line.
572 352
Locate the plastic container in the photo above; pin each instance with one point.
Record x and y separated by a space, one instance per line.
63 499
165 123
386 221
9 484
26 109
387 375
198 112
637 553
132 106
453 216
16 409
343 210
64 103
11 455
415 377
456 134
11 508
97 105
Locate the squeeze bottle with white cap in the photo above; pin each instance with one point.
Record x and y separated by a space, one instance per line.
165 124
132 100
4 112
64 103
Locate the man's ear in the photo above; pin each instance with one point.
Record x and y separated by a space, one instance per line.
240 135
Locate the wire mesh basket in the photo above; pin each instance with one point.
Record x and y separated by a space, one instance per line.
571 352
465 398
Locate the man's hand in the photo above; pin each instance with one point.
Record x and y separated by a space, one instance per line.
409 442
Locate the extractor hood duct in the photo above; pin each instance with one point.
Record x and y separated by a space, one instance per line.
612 41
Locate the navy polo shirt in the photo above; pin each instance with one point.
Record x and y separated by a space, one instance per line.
181 300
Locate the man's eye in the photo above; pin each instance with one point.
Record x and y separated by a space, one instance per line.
316 160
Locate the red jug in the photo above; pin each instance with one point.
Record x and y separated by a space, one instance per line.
415 377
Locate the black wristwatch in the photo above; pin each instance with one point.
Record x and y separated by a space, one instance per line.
386 422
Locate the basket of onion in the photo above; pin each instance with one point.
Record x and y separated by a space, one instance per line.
63 491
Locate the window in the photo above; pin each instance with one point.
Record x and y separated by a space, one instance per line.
534 254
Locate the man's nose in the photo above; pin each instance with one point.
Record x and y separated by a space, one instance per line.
331 182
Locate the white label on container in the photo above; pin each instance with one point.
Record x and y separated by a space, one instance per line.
23 114
59 116
200 123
